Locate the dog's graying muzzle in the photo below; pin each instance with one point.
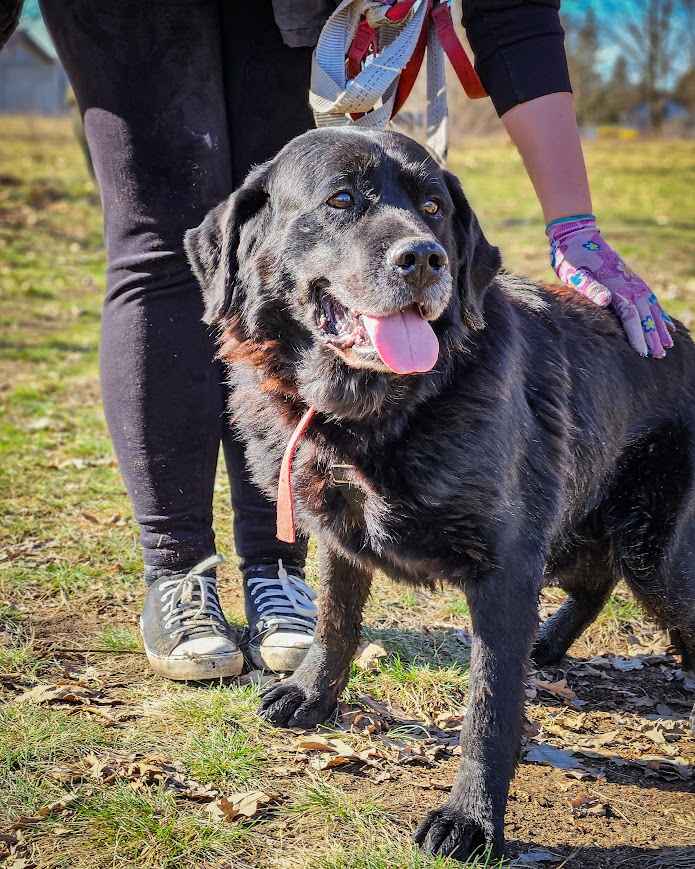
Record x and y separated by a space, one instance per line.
419 261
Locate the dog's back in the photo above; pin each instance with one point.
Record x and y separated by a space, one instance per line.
629 464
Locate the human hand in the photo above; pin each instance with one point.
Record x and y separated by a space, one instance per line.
583 261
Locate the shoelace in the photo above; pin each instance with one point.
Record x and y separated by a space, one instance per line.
190 603
283 603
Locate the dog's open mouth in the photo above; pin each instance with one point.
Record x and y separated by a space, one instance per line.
404 340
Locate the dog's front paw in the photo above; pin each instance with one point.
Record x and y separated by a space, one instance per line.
449 832
291 704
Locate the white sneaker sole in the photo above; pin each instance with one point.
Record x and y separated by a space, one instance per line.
196 668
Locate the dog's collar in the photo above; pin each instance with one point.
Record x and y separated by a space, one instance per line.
286 526
339 476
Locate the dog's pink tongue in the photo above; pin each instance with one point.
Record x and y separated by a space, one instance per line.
405 341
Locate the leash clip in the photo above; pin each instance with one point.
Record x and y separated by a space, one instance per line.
335 481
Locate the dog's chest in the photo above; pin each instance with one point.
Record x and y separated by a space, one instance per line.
387 518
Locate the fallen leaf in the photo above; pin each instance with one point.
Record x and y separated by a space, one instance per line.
145 770
558 689
447 721
536 857
656 736
549 755
368 655
55 808
355 718
382 777
239 805
56 693
90 517
313 743
392 713
625 664
599 740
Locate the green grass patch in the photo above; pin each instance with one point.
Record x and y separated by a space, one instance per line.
409 600
121 827
227 758
457 608
621 609
234 705
32 738
24 794
119 639
216 732
419 687
327 804
394 855
19 658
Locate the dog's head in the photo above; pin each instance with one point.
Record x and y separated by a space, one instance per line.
355 257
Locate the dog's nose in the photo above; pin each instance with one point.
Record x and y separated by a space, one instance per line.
419 261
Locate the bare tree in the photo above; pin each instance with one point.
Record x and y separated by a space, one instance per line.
687 10
583 41
647 33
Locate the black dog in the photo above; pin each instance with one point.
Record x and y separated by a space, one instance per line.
493 432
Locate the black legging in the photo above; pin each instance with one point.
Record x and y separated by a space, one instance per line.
180 98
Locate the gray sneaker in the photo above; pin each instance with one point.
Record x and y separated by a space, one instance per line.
281 613
185 633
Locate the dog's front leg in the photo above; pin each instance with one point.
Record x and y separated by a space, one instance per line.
310 695
504 610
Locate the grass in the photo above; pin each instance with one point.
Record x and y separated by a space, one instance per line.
418 687
229 758
143 829
641 192
118 639
19 658
327 803
33 738
225 706
458 609
215 732
70 565
395 855
33 742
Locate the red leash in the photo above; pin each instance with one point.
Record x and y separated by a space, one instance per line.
439 15
286 526
464 69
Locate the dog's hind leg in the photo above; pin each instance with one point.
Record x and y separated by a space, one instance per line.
667 587
588 584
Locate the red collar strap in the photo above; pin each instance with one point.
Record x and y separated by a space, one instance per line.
286 526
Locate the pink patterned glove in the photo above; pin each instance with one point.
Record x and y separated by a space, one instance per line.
583 261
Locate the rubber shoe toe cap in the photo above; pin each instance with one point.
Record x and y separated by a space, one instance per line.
282 651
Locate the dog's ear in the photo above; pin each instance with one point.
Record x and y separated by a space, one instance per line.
212 247
478 260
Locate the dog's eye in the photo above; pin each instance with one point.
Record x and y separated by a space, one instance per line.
430 206
341 199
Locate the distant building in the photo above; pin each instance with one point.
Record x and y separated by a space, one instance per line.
32 81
